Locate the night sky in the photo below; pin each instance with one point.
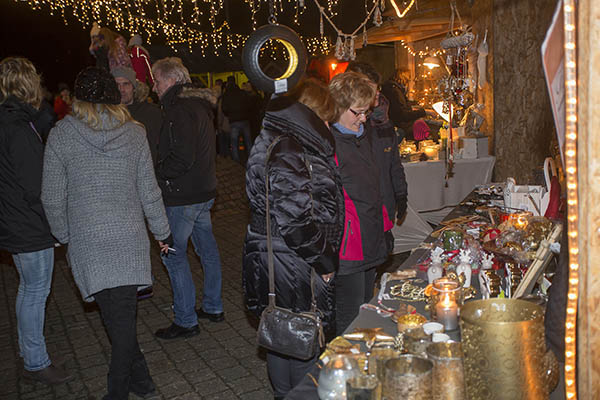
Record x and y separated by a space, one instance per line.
60 51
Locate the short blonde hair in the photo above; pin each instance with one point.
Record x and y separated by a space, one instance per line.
19 78
351 88
315 95
172 67
90 113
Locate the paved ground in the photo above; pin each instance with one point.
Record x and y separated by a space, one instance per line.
220 363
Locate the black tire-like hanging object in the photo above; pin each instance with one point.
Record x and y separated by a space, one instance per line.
296 53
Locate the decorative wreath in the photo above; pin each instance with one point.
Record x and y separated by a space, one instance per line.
297 58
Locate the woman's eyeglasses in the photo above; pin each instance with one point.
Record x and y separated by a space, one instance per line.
361 113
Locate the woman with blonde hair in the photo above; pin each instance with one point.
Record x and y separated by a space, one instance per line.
24 230
98 185
363 244
296 150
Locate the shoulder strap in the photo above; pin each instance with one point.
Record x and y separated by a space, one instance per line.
269 237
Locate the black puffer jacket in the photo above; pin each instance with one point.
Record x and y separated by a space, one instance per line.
307 211
23 224
186 169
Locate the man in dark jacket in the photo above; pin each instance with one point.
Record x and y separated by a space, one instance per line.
237 108
186 174
147 114
401 112
385 145
24 230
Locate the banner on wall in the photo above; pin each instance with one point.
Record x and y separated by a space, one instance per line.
553 62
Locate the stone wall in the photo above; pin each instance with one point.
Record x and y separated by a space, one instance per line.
523 122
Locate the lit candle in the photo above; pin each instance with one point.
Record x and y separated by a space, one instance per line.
430 152
446 312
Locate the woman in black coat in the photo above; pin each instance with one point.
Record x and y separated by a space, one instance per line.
307 215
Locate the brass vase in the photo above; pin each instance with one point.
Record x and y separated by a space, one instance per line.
504 350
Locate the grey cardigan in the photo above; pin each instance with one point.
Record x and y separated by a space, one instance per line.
97 186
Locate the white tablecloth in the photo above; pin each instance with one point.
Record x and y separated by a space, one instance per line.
427 187
430 200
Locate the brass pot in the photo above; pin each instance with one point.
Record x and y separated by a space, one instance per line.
504 350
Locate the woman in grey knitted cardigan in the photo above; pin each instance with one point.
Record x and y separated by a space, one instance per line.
98 184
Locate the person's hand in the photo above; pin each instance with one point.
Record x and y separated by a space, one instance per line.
164 248
327 277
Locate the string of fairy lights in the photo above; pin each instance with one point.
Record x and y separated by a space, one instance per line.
572 201
178 21
175 20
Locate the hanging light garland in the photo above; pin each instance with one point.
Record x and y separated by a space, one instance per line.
572 202
402 13
133 17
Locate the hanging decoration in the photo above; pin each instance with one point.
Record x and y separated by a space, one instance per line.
175 20
454 88
407 7
344 48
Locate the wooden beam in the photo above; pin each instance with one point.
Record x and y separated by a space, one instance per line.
588 147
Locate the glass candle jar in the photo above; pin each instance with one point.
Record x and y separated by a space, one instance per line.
407 378
332 379
446 299
380 353
448 378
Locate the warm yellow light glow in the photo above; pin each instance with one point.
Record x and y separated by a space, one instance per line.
333 66
399 13
572 296
431 62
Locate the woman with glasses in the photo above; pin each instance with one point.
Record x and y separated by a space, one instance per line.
363 246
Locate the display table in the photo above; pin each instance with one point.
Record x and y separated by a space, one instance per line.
429 199
367 318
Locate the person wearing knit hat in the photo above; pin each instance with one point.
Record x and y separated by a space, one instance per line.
97 85
98 191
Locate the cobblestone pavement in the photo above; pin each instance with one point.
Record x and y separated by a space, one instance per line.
222 362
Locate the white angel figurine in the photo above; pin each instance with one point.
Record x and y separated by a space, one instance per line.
464 267
435 269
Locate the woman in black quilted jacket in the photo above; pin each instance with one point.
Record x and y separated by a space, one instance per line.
307 215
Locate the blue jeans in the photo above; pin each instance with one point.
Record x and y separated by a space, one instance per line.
240 128
35 278
185 221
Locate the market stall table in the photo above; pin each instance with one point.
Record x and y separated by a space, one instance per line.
368 318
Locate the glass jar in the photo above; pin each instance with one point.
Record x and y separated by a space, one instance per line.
380 353
446 300
332 379
407 378
416 342
448 376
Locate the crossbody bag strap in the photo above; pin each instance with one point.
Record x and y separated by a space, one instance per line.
270 261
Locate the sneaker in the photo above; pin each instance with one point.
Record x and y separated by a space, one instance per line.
175 331
145 293
218 317
51 375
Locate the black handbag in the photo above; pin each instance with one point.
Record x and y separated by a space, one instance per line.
297 335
